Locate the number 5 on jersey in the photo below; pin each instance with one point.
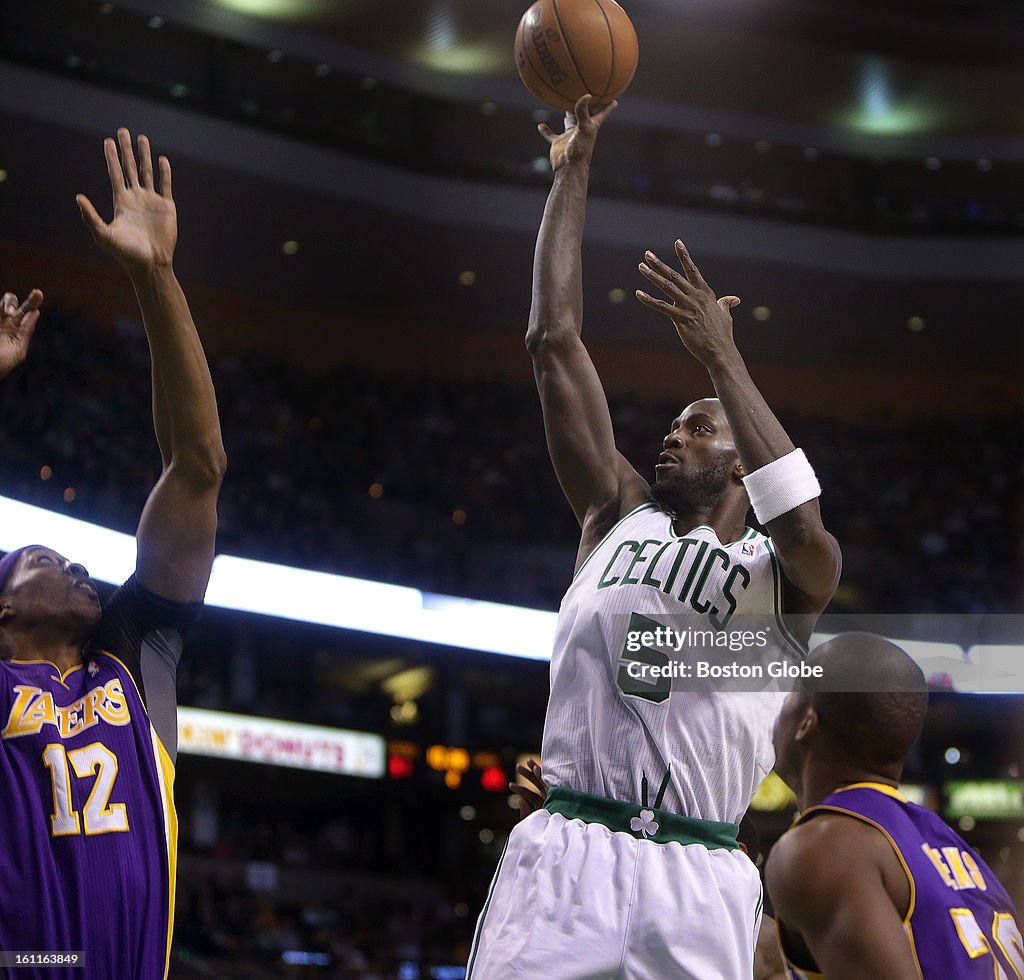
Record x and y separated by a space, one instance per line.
101 816
641 683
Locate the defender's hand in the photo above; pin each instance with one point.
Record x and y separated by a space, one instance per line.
529 800
17 323
704 323
576 144
144 230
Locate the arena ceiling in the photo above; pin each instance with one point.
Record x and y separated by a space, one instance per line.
874 66
742 59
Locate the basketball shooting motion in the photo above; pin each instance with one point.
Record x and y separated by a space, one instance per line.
632 868
87 694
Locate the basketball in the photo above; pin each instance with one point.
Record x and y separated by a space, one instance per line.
567 48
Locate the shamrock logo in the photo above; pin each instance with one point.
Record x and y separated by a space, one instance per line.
644 824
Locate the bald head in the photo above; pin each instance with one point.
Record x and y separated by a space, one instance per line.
871 700
862 715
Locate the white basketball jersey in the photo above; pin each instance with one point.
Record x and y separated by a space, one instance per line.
700 753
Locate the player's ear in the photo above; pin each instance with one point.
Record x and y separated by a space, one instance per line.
808 725
6 612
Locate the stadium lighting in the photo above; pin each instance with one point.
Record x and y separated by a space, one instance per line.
443 49
299 594
878 112
383 609
275 8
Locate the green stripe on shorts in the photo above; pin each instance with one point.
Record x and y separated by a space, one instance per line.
475 947
641 822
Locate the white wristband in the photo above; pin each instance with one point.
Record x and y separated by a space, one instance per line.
778 487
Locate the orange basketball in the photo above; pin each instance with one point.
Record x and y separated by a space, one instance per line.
567 48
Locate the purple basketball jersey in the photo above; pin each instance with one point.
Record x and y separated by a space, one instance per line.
87 823
962 923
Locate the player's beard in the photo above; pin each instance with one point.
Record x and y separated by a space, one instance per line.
688 487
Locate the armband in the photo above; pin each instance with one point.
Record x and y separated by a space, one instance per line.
781 485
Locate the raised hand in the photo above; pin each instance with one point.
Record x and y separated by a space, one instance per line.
144 230
17 324
577 142
704 323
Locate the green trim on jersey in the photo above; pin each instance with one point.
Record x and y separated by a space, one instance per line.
642 823
748 534
787 633
625 517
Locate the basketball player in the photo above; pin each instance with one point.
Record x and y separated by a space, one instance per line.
867 884
88 729
632 869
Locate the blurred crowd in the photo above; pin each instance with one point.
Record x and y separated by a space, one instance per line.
446 485
235 928
340 892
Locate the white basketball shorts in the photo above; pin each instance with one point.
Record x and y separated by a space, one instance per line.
597 889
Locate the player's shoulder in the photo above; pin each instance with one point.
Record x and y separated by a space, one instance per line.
133 601
603 523
825 847
814 864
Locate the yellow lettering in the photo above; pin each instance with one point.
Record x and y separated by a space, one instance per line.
972 867
90 705
936 858
953 859
16 719
33 708
115 707
70 720
40 712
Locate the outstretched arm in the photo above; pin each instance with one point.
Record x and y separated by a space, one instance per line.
809 555
598 482
828 886
177 532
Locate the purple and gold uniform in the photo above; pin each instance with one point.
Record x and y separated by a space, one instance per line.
89 832
960 921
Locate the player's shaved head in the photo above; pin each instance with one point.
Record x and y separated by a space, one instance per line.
875 701
860 718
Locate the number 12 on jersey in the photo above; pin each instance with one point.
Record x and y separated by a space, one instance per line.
101 816
1005 937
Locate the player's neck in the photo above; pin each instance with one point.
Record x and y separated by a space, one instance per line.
822 779
63 651
727 518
